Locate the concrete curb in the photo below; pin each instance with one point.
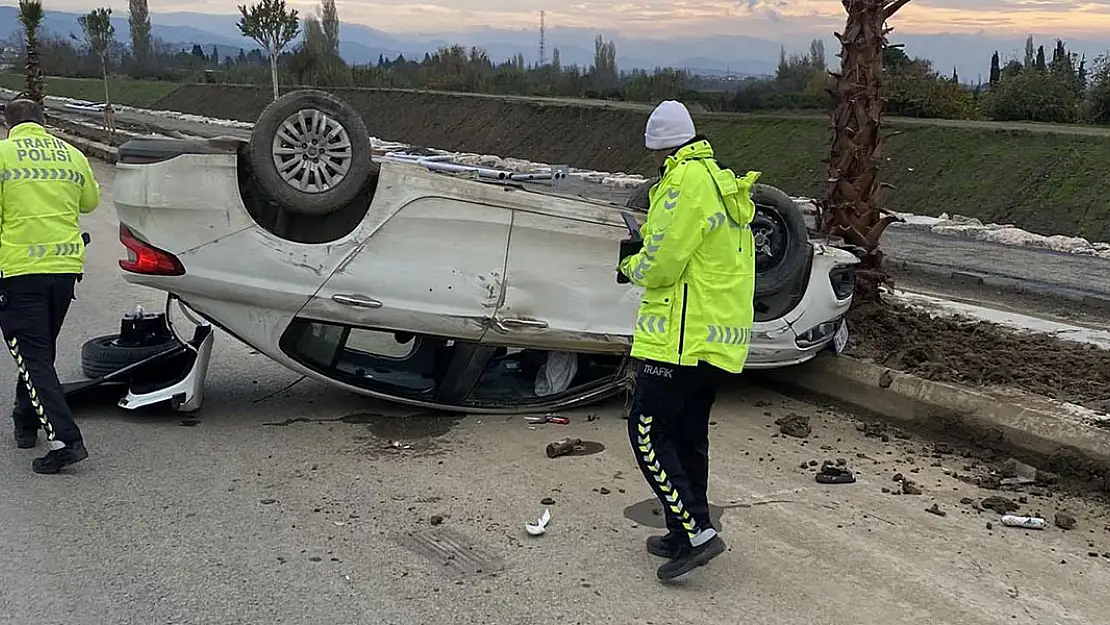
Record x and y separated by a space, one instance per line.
1032 428
902 268
88 147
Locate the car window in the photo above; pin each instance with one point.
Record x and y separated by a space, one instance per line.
390 362
438 369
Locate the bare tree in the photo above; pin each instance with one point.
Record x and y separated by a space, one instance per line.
329 23
100 34
31 16
272 26
851 210
141 43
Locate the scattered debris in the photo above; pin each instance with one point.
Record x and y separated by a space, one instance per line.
935 509
1028 522
548 418
1065 520
397 445
832 474
795 425
1001 505
540 526
910 488
563 447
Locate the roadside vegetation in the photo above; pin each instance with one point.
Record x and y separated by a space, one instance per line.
124 90
1049 83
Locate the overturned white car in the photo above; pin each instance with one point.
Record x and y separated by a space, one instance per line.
439 286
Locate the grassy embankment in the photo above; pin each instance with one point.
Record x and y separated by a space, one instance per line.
126 91
1047 179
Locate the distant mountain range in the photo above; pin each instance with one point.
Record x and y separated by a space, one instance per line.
711 55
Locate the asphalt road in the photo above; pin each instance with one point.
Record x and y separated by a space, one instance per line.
294 505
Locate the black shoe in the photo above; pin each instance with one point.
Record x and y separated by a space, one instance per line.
26 438
668 546
56 459
691 558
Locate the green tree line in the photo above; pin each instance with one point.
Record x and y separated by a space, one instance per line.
1058 87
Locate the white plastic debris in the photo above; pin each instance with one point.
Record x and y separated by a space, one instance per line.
556 373
1028 522
540 526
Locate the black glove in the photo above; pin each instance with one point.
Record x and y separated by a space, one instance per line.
629 247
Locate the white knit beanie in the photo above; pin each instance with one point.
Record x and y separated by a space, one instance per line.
669 126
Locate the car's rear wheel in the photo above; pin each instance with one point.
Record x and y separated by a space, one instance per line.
779 229
781 239
103 355
311 152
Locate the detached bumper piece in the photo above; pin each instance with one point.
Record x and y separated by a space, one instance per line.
151 360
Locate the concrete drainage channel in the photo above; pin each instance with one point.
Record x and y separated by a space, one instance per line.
1063 438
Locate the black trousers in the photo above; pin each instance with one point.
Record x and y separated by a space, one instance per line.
32 310
669 430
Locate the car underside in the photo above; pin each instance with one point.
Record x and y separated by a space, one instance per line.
407 277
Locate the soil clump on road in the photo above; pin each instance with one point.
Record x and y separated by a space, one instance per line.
978 353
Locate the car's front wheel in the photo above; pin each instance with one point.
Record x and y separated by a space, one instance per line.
779 230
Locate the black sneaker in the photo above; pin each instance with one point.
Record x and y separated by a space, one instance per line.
56 459
668 546
691 558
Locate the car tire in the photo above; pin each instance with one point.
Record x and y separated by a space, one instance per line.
791 239
102 355
772 207
296 116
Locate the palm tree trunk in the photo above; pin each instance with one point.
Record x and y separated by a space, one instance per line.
851 210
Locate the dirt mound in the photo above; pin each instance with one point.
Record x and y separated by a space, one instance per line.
592 137
979 353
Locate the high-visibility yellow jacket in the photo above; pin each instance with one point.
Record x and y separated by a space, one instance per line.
45 184
697 265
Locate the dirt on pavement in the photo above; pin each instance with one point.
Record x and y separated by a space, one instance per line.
979 353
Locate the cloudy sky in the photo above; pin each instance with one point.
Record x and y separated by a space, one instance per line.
672 18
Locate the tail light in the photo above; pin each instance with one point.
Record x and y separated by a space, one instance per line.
144 258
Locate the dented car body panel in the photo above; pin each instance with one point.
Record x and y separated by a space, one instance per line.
454 270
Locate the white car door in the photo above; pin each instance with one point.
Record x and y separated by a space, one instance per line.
434 267
561 292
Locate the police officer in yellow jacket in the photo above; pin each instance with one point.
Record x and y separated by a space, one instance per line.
45 185
697 268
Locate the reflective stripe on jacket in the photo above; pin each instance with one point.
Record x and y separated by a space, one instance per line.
45 184
697 265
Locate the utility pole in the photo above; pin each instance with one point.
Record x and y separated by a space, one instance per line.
543 41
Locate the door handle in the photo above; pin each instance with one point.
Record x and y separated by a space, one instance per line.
522 323
356 300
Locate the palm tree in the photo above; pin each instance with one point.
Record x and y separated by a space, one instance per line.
31 15
852 210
